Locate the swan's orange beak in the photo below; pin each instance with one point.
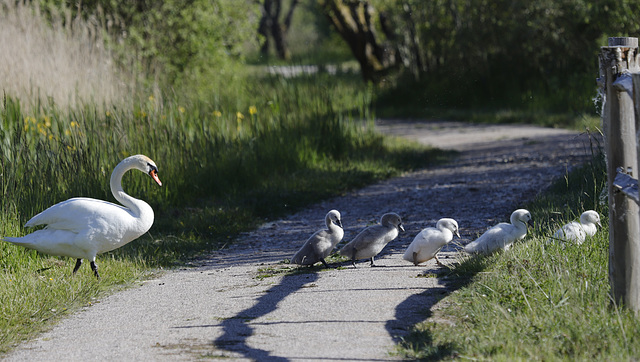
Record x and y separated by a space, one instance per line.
154 175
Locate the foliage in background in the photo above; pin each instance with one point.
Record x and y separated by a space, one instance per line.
483 54
188 46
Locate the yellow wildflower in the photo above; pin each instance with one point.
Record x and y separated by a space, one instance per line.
151 98
217 113
108 114
181 109
47 121
253 110
28 121
74 124
239 116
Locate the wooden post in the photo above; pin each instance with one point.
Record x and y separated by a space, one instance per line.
619 123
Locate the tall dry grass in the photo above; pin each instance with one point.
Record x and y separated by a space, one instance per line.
57 58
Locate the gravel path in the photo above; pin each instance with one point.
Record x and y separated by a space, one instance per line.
221 309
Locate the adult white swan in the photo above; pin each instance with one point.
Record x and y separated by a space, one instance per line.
82 227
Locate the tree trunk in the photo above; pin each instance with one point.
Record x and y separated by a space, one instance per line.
353 21
271 28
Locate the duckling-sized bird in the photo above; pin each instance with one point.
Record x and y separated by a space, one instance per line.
321 243
578 231
429 241
373 239
502 235
82 227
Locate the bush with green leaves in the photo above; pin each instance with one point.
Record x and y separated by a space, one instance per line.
496 54
191 46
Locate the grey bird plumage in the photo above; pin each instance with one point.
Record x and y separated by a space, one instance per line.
321 243
373 239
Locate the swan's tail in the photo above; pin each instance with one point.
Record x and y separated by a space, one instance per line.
16 241
472 248
347 251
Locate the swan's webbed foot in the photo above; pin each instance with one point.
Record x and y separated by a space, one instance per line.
438 261
94 267
353 262
78 263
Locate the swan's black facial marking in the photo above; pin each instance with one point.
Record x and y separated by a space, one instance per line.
152 167
153 172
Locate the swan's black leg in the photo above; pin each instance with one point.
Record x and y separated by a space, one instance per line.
353 261
415 259
78 263
372 264
94 267
325 264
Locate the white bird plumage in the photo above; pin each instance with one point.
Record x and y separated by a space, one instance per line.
370 241
429 241
82 227
501 236
321 243
578 231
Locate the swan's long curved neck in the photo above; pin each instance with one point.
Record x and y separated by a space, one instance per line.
116 188
519 224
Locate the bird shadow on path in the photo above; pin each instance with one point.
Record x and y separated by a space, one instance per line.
418 308
237 330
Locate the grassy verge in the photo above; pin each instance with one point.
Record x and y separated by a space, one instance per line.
226 165
539 300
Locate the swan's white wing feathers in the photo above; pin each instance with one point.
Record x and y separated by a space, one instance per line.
77 213
88 224
426 244
572 231
499 236
56 242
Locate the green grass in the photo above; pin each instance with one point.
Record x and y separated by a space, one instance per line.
227 164
539 300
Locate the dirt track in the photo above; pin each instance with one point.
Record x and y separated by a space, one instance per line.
221 309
